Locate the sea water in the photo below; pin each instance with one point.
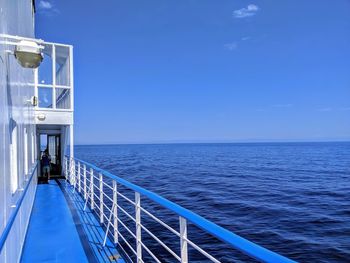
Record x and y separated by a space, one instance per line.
292 198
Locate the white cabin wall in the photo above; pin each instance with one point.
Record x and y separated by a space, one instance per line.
16 18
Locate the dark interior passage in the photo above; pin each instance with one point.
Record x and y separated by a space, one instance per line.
51 144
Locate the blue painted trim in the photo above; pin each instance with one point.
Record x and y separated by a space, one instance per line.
13 216
245 246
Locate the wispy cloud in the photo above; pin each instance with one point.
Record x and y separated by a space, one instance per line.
47 8
325 109
248 11
245 38
231 46
45 5
288 105
273 107
234 44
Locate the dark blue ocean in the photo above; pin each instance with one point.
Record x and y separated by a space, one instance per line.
293 198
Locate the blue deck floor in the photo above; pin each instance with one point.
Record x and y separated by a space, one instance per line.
60 231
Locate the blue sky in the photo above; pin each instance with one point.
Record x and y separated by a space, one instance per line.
205 71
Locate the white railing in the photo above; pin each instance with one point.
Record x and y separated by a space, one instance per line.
100 190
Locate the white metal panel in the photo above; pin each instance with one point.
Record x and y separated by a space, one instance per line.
54 117
16 18
17 87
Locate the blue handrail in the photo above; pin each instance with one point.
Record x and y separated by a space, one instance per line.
245 246
12 218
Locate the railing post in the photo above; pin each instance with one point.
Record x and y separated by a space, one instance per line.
183 240
74 175
92 188
115 211
101 198
84 175
70 170
138 226
79 179
66 167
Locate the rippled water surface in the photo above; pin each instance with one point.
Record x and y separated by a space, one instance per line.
293 198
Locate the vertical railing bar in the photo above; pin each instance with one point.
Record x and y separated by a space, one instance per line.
70 170
74 176
66 167
84 175
183 240
115 211
101 198
138 226
72 173
79 179
87 198
92 188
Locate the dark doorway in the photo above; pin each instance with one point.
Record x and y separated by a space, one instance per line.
54 147
52 143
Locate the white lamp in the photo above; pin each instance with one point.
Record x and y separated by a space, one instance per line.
28 54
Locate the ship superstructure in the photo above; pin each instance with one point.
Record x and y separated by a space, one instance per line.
83 214
36 109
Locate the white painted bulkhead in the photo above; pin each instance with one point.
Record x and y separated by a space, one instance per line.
21 122
16 122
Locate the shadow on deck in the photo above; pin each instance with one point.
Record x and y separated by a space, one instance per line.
61 231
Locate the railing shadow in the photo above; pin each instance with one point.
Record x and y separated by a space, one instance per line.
90 231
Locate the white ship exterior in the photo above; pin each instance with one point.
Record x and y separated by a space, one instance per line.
32 102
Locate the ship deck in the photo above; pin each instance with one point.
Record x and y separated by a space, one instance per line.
61 231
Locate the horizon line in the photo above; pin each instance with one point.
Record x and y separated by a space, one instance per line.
218 142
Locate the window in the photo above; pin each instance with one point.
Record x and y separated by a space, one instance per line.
63 98
14 157
33 147
25 149
33 7
54 83
33 12
45 97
